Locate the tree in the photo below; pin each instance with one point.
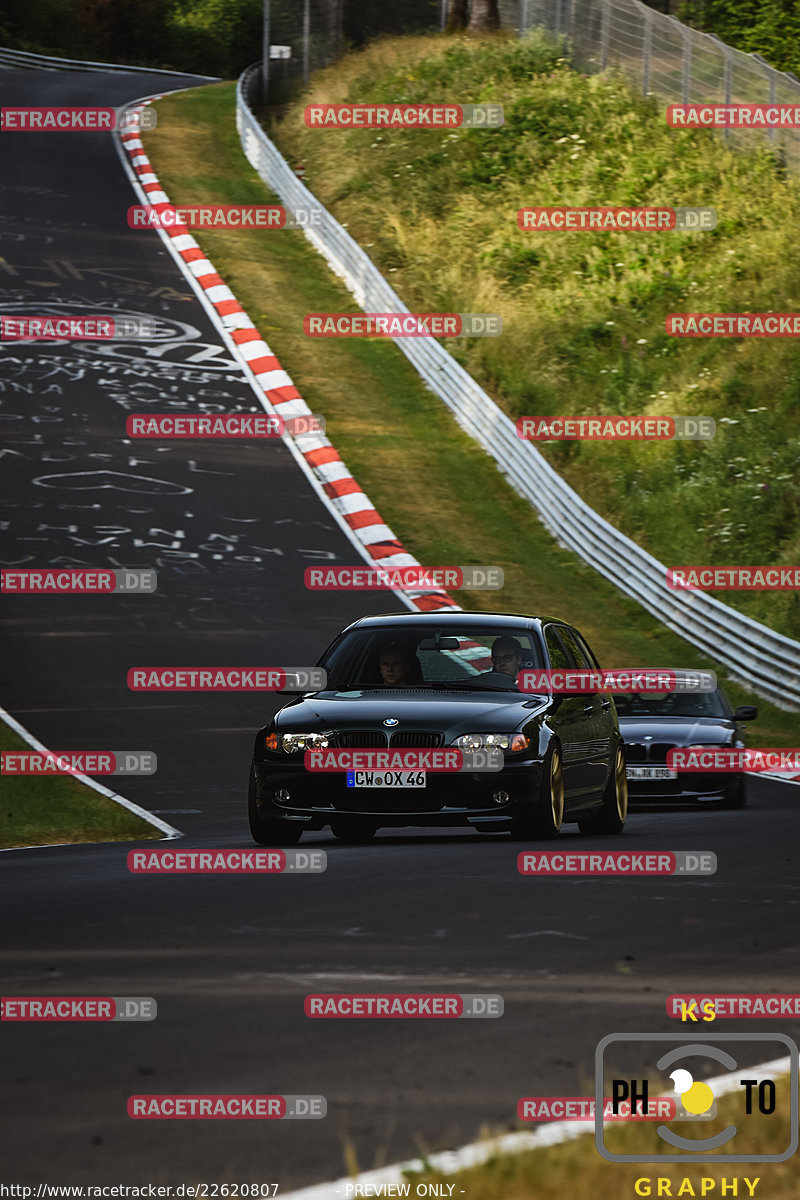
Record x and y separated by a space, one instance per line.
768 27
484 17
456 16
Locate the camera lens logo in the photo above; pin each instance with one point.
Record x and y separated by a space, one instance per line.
697 1101
696 1098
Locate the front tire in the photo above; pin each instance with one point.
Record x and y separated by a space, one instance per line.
546 824
264 831
611 817
737 796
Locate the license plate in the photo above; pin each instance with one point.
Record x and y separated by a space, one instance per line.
650 773
387 779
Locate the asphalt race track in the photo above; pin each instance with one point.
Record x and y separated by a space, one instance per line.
231 528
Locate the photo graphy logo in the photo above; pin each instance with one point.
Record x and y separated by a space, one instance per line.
682 1060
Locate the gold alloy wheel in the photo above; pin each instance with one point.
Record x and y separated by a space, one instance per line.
557 789
621 785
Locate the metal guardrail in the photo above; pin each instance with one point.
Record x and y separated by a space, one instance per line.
756 655
42 62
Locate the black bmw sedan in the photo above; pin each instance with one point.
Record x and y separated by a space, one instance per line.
652 725
424 681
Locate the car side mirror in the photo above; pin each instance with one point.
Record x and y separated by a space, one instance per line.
746 712
301 681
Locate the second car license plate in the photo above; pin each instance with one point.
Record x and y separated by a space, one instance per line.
387 779
650 773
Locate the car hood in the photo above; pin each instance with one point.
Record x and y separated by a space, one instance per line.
681 731
418 709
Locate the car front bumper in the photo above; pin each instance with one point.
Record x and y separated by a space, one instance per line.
315 799
690 787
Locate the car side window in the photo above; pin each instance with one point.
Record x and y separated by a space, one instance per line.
581 640
578 649
560 659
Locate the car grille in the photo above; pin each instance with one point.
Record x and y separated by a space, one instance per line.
358 738
422 739
647 752
416 739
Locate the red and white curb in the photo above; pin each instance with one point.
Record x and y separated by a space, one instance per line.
334 484
168 831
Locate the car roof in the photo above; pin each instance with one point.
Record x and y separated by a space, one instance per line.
478 620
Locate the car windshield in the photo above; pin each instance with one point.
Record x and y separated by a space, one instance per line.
671 704
432 657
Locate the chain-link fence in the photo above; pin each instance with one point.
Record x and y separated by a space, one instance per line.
306 35
673 62
677 64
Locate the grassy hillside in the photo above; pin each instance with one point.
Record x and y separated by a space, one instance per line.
584 312
440 493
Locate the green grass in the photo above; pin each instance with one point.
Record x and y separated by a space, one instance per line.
576 1169
439 492
584 312
40 810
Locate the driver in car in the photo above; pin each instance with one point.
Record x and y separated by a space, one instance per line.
396 667
507 656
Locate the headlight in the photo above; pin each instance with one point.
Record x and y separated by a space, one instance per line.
512 743
294 743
